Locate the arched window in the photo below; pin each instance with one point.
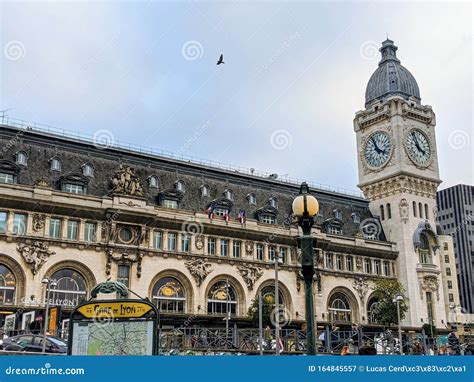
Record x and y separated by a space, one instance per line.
414 209
252 198
88 170
268 296
424 251
371 309
426 212
22 158
71 288
7 286
205 191
420 210
153 181
55 164
222 298
273 202
228 194
382 213
389 211
339 308
168 295
179 185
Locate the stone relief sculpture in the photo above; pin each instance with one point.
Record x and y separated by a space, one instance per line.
35 254
404 210
38 222
125 181
361 287
199 243
250 273
249 248
429 284
199 269
123 258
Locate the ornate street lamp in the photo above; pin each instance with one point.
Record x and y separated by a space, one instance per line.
49 284
398 299
305 207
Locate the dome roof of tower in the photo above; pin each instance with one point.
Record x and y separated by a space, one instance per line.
391 78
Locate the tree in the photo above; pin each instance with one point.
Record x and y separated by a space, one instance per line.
385 310
267 309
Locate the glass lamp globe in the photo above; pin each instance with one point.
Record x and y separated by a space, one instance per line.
312 205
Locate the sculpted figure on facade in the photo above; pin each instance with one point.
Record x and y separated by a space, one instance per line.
125 181
250 273
35 254
199 269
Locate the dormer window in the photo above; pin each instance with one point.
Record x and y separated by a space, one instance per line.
88 170
55 164
228 194
337 214
273 202
179 185
21 158
252 198
205 191
153 181
355 218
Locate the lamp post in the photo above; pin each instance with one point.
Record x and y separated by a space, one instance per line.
398 299
305 207
49 283
276 259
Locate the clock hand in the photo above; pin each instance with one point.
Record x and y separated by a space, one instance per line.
417 144
375 145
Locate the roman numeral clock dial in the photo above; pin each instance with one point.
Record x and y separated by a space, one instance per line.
378 149
418 148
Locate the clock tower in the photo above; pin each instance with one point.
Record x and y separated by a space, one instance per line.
398 174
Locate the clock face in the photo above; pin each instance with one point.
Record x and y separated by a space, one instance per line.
418 147
378 149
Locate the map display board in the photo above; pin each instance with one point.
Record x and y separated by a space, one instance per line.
114 327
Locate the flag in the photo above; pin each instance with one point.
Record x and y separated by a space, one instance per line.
210 212
242 216
226 216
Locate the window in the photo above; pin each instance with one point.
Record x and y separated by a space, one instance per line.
123 274
236 245
382 213
260 251
420 210
371 311
220 211
168 295
7 286
329 263
450 284
55 228
268 297
72 229
426 211
157 239
355 218
283 252
386 268
252 198
334 230
268 219
349 263
224 247
389 211
339 308
448 271
378 270
88 170
71 288
205 191
414 209
273 202
19 224
167 203
74 188
228 194
451 297
424 251
271 253
153 181
179 185
55 164
429 306
368 266
339 264
211 246
185 243
171 241
89 232
3 222
337 214
446 259
125 235
21 158
6 178
222 299
445 246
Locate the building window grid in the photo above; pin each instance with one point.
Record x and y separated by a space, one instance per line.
236 248
171 241
185 243
89 232
225 247
157 239
3 221
211 246
72 230
19 224
7 178
260 251
55 228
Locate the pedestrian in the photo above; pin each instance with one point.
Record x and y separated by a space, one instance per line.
345 350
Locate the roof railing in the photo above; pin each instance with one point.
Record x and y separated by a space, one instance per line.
114 143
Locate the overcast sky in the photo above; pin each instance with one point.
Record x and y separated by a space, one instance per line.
283 102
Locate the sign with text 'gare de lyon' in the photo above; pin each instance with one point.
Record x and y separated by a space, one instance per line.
113 327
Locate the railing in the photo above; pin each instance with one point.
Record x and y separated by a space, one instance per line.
113 143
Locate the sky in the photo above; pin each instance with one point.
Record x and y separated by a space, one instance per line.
295 73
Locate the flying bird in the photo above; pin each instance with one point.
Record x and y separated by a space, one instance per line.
221 60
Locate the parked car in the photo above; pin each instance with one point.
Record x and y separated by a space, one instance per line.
34 343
